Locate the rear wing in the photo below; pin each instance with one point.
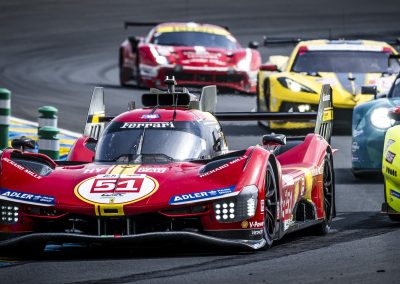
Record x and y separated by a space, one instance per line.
140 24
324 116
271 40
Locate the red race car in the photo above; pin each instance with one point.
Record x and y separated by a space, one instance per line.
164 172
196 54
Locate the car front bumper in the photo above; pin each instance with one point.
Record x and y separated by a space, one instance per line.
126 240
225 79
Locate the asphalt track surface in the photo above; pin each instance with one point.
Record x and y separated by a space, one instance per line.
55 52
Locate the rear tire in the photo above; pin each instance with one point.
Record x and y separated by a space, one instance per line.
27 251
329 200
271 207
125 74
394 217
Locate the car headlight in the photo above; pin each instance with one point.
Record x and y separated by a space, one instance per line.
162 60
9 213
380 118
239 208
294 86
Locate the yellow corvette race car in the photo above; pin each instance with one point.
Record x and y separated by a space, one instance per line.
391 168
291 84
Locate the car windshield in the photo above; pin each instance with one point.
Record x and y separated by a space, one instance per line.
344 62
195 39
159 142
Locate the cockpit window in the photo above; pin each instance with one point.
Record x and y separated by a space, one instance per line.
148 142
344 62
195 39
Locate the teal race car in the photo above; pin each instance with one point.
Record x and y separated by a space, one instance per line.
369 126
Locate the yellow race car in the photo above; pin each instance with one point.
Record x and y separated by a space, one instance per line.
391 168
291 84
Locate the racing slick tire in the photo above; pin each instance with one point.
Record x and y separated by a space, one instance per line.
329 200
27 251
267 98
125 74
271 207
394 217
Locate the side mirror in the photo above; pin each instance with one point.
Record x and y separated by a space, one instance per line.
274 140
394 113
369 90
23 143
269 67
253 44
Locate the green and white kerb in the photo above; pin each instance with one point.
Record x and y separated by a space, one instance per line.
48 142
5 113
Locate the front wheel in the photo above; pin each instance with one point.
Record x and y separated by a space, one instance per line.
271 207
329 201
266 105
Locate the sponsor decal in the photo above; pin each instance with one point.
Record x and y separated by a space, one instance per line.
391 172
395 193
22 168
357 132
116 188
388 143
355 147
145 170
390 157
262 206
288 179
202 195
25 197
245 224
148 125
256 224
94 170
330 81
150 116
224 166
256 232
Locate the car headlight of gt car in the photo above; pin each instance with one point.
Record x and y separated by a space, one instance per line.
9 213
380 118
239 208
294 86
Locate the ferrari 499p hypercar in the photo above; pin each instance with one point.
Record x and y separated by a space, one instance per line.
163 173
196 54
287 84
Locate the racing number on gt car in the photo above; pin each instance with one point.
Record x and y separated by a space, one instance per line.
121 185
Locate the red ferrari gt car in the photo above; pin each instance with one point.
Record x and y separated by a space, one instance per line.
164 172
196 54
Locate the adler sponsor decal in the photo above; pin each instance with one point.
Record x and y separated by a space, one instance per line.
202 195
148 125
24 197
